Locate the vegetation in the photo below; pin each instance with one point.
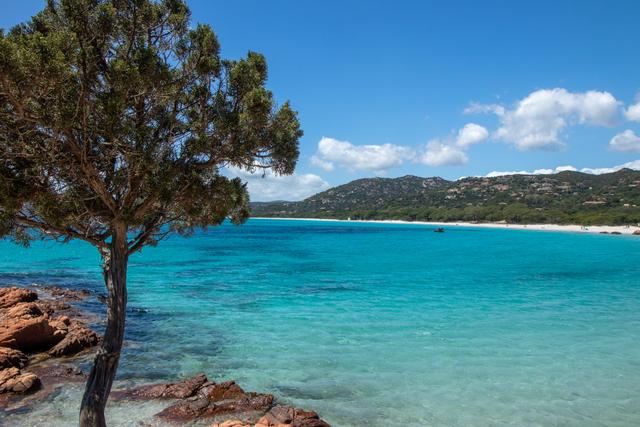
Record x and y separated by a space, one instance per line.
115 119
563 198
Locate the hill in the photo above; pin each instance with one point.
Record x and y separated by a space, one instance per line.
565 197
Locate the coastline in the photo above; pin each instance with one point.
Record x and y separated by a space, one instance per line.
570 228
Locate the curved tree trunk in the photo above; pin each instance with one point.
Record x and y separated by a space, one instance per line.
106 360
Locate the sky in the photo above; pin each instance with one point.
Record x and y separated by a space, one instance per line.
433 88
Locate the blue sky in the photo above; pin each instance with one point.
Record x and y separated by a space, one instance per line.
451 89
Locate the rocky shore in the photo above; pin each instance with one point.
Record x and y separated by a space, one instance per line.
43 334
33 330
226 404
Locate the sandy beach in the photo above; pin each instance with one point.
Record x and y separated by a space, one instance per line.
570 228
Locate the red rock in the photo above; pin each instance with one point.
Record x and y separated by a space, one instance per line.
179 390
11 296
202 408
66 294
30 334
14 381
22 310
77 339
222 391
11 358
231 423
282 414
202 399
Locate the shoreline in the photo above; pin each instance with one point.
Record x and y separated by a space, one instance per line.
570 228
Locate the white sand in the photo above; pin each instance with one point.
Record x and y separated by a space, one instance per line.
622 229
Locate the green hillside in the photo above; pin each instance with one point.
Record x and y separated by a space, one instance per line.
566 197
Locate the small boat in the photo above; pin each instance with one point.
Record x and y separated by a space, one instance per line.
439 230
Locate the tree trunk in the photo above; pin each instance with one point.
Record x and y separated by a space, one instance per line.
106 360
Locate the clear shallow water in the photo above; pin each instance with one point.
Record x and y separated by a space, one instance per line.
376 324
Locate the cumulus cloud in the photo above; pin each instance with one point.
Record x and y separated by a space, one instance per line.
471 134
538 120
452 151
268 186
441 154
376 158
595 171
633 112
625 141
322 164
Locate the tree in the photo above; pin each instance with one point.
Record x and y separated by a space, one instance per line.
116 122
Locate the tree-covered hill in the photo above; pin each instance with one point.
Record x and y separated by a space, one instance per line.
565 197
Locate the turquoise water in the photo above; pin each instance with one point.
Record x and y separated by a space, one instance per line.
377 324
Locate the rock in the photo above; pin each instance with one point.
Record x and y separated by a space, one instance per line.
11 296
66 294
11 358
22 310
49 307
201 399
33 334
636 233
201 408
287 415
78 338
12 380
179 390
222 391
27 325
232 423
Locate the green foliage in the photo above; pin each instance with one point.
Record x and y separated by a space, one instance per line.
564 198
119 111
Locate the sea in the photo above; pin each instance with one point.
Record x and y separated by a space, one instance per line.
371 324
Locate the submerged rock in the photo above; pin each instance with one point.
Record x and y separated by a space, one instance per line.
179 390
227 402
65 294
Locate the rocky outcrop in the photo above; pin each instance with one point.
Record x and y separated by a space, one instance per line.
15 381
77 338
636 233
201 399
12 296
26 328
29 326
179 390
12 358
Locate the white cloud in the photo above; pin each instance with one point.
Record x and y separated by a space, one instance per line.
270 186
322 164
635 165
440 154
625 141
471 134
595 171
633 112
538 120
476 107
376 158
